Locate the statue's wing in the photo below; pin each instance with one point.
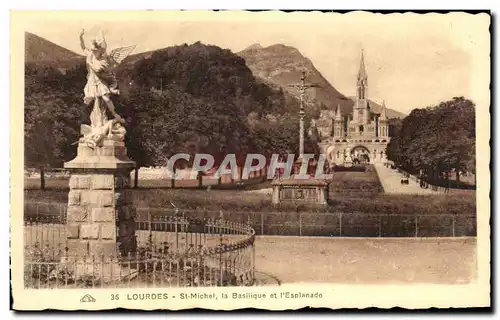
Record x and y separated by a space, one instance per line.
118 54
85 129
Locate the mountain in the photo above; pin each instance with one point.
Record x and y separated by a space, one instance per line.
43 52
280 66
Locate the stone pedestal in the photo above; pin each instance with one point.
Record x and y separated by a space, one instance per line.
310 191
100 215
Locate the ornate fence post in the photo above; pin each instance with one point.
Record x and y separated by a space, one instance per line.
150 236
340 224
380 225
300 224
176 233
220 247
262 223
453 225
416 226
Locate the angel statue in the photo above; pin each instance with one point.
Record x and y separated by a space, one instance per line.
101 84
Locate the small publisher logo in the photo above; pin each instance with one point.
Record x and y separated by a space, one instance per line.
87 298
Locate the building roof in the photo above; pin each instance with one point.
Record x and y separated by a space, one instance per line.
299 182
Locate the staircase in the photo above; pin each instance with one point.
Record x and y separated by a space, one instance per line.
356 183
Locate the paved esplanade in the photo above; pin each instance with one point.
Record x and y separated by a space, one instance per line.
365 260
391 182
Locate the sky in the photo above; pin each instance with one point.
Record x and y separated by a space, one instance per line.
412 60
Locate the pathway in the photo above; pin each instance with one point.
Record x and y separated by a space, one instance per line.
391 182
359 260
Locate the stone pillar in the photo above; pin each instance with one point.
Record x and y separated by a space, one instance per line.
276 194
100 216
323 192
301 132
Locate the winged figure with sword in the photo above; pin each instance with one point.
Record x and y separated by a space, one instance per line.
101 84
101 80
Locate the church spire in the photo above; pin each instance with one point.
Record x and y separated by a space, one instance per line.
362 83
362 71
383 115
338 113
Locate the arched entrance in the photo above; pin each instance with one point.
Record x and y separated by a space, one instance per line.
330 154
360 154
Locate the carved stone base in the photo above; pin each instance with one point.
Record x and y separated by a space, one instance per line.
100 214
112 155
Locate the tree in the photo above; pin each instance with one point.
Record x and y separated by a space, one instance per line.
52 114
436 140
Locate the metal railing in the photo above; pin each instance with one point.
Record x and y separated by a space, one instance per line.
331 224
172 251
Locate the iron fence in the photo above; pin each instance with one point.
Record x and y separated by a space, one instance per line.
172 251
331 224
438 188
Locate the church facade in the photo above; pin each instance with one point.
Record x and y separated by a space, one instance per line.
361 135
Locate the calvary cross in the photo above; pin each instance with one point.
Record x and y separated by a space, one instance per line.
302 90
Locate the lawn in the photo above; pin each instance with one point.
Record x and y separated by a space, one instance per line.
240 200
357 207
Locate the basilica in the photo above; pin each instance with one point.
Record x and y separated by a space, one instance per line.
360 135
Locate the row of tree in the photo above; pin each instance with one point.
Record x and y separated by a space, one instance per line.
188 99
434 141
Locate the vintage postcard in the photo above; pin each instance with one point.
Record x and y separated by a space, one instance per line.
227 160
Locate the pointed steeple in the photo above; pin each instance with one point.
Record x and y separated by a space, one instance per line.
362 70
383 115
338 113
362 81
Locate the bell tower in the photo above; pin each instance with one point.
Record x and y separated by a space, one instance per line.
360 112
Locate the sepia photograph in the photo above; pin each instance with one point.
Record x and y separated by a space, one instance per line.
249 159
